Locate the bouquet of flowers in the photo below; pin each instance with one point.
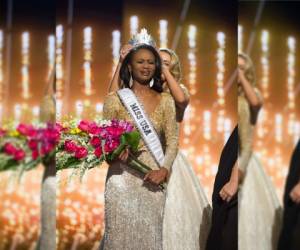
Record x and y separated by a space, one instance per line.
84 145
25 146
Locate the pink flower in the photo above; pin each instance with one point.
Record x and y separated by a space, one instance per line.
70 146
9 148
81 152
59 127
31 131
26 130
94 129
2 132
95 141
115 131
103 133
84 126
19 155
128 127
98 152
110 146
47 148
22 128
51 135
35 154
32 144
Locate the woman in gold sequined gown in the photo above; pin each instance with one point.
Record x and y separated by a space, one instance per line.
133 207
187 211
259 208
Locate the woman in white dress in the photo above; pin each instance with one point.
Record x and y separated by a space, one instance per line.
47 239
259 208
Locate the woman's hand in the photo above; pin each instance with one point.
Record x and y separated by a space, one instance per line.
124 51
295 193
241 75
229 190
157 176
164 70
124 155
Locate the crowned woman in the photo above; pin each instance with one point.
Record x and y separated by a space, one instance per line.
135 206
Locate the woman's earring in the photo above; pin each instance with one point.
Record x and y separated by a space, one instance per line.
151 83
130 81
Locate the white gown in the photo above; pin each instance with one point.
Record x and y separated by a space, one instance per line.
47 239
259 210
187 213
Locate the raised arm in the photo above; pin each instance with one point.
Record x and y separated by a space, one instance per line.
181 98
115 82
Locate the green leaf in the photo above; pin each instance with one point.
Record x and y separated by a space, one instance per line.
132 139
117 151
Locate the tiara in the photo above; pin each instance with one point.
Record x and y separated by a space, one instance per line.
142 38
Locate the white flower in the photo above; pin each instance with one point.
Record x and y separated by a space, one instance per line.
104 123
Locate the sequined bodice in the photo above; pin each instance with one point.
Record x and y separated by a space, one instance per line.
164 122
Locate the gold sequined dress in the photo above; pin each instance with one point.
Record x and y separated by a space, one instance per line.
259 207
134 209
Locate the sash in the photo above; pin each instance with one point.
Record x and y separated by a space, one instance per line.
143 124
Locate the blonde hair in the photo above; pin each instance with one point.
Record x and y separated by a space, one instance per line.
175 67
249 68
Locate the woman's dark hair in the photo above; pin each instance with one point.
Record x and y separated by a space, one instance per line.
125 74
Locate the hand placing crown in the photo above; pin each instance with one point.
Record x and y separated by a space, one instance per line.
142 38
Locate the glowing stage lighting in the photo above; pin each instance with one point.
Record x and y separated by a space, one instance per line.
192 32
51 54
17 112
1 64
163 33
265 63
220 80
240 38
278 127
25 65
1 74
87 49
207 125
59 69
291 61
79 108
134 25
116 46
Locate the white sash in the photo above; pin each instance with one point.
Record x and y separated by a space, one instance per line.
143 124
